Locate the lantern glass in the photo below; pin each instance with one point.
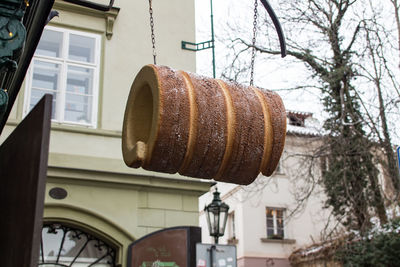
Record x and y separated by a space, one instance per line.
213 221
223 216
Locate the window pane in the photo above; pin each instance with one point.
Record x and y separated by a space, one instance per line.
36 95
270 232
51 242
280 232
269 213
50 44
65 246
80 80
279 213
81 48
45 79
78 98
279 224
270 222
78 108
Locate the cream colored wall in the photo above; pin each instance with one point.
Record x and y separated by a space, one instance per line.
129 48
123 55
105 196
249 204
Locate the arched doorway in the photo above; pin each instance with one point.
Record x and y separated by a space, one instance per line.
65 245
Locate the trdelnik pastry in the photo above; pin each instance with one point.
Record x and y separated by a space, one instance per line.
202 127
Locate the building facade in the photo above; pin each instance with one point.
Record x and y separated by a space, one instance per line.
268 219
87 59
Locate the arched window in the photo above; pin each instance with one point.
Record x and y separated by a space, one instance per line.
63 245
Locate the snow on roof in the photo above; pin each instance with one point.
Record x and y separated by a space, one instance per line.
303 130
306 125
300 113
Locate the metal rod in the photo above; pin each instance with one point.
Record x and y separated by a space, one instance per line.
212 38
277 26
211 255
61 246
80 251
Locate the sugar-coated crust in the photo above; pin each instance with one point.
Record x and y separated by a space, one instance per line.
202 127
192 123
268 130
248 142
230 135
211 121
173 130
278 120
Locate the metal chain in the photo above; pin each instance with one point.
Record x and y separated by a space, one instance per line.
153 38
253 50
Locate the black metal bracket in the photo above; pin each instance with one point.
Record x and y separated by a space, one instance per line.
277 25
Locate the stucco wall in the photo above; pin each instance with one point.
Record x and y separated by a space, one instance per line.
249 204
105 196
264 261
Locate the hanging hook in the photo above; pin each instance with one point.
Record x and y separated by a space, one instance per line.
277 25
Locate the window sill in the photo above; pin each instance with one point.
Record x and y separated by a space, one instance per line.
76 128
79 129
280 241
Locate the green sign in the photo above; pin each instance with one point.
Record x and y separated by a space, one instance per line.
158 264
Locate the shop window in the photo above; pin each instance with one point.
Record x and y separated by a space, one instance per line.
66 65
62 245
275 223
232 239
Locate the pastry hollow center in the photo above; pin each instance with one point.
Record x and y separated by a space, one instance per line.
141 115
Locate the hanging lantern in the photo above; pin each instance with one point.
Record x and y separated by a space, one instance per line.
217 215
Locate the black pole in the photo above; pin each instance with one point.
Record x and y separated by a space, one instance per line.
277 25
211 255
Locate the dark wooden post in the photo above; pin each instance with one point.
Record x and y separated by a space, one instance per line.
23 168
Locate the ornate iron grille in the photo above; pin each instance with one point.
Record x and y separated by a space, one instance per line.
63 245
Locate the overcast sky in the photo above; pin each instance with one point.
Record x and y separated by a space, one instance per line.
268 74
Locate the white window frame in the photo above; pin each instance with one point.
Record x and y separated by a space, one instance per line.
64 63
231 225
275 221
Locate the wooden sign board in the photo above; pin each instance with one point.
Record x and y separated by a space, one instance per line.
23 169
170 247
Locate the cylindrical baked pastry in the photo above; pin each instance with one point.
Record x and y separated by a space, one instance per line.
202 127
